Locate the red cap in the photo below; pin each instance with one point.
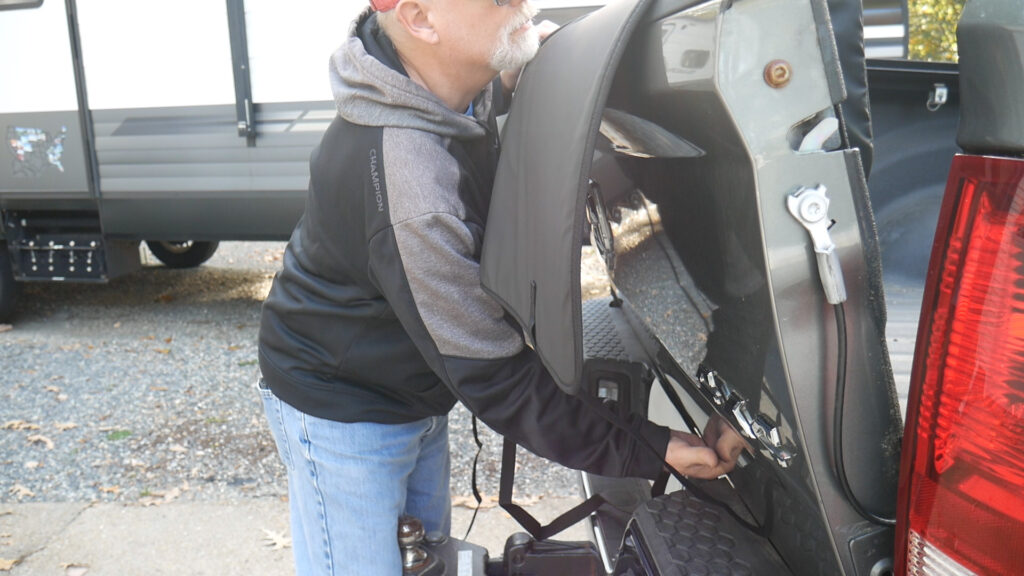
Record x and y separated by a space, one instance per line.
383 5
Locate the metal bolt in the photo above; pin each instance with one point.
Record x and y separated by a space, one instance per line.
778 73
812 209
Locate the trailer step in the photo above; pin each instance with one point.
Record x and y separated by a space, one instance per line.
57 247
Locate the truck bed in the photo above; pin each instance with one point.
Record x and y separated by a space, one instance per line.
903 304
914 146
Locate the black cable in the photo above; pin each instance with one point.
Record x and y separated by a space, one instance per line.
837 422
476 490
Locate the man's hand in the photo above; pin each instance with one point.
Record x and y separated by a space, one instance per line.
690 456
727 443
509 78
709 458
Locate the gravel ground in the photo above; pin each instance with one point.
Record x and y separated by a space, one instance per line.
142 391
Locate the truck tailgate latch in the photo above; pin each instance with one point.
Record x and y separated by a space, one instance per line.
810 208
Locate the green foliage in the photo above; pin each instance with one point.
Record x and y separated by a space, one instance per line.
933 29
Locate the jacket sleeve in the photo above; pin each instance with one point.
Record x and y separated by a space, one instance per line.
427 268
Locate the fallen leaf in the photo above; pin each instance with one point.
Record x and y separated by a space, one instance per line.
470 502
6 565
65 426
168 339
53 389
165 298
6 328
72 569
276 540
40 439
19 492
163 350
19 425
117 324
234 348
158 388
110 489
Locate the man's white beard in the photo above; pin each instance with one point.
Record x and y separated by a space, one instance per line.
514 52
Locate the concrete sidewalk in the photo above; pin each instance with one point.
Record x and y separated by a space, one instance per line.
243 537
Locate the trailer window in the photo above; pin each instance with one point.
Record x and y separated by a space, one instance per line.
19 4
290 45
139 56
37 73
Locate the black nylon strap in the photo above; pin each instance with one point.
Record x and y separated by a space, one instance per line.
658 488
525 519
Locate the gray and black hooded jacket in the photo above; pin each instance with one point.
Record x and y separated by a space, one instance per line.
378 314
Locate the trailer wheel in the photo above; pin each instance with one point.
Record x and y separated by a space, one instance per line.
8 287
187 254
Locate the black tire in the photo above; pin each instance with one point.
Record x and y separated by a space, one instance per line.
187 254
8 287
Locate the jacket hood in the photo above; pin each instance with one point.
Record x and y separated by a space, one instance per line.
373 93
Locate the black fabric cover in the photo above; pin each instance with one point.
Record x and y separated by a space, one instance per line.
531 252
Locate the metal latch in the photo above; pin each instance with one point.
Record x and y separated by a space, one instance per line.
810 208
937 97
709 383
759 427
765 431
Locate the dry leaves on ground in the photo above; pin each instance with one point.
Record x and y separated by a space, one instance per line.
19 492
156 498
40 439
276 540
71 569
6 565
19 425
470 502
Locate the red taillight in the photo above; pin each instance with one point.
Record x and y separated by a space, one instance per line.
961 496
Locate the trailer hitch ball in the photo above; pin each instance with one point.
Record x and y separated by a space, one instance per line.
410 535
778 73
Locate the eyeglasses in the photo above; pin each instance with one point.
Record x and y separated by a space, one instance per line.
501 2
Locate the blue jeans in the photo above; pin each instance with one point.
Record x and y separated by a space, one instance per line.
349 482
